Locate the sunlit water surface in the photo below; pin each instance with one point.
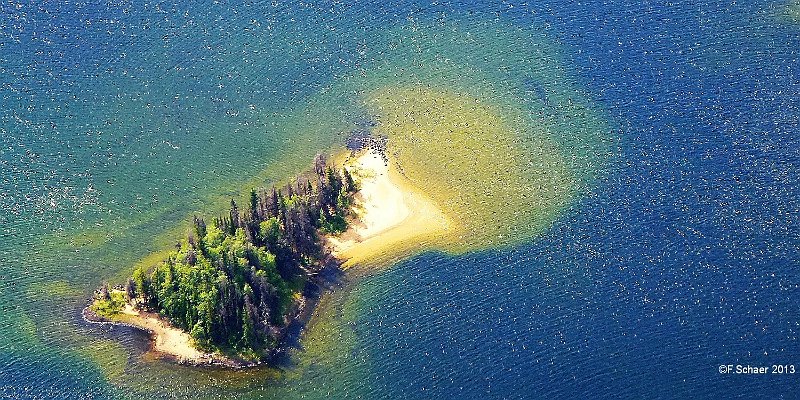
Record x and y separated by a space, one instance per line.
673 247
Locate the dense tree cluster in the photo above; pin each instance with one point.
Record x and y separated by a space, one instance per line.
231 283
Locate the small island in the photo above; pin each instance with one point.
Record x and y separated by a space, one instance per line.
228 291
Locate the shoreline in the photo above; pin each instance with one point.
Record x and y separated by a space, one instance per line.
161 336
185 353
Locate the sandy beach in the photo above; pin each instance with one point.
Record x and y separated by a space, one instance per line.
392 217
168 340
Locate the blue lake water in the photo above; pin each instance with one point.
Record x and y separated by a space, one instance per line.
118 120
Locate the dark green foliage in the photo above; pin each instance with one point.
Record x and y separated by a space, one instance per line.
349 183
333 224
108 306
232 282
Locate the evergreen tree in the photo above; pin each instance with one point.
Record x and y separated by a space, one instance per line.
349 183
253 205
234 218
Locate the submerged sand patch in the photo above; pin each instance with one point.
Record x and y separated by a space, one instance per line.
499 184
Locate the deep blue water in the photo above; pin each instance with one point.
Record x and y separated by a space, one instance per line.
685 256
685 259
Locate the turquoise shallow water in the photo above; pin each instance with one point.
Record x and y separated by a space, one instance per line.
118 121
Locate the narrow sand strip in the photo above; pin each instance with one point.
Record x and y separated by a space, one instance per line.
168 340
392 218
